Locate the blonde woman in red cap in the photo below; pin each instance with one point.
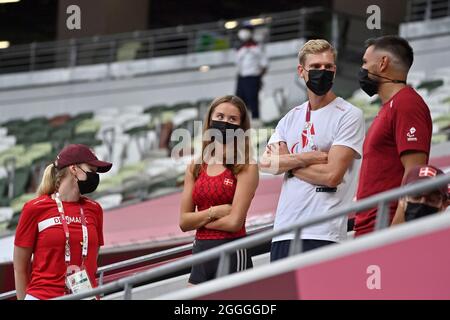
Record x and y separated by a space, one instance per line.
61 228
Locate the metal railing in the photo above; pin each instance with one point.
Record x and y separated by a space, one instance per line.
155 43
124 264
157 256
152 257
223 252
142 259
8 295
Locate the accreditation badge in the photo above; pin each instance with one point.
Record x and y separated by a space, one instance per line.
78 282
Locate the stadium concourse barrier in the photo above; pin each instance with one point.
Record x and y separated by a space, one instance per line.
406 262
223 252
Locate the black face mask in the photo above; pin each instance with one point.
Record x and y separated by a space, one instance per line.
367 85
90 184
370 86
223 126
418 210
320 81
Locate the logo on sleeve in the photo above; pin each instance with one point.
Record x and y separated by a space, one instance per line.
411 134
339 108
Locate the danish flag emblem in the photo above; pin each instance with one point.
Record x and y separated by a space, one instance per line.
427 172
228 182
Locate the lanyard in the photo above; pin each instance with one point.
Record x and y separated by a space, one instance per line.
307 134
308 113
308 124
66 231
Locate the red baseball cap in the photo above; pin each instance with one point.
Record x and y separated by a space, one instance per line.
425 172
80 153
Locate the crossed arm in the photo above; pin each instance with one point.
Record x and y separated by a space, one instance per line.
229 217
247 182
329 174
277 159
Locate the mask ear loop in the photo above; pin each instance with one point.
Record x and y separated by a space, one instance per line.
76 177
304 69
81 169
390 80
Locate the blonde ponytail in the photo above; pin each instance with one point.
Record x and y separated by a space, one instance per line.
50 180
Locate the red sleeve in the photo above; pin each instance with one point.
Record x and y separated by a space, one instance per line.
412 125
27 229
101 241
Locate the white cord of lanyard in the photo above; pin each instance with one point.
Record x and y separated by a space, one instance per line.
84 251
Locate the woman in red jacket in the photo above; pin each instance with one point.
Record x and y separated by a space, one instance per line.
62 229
219 188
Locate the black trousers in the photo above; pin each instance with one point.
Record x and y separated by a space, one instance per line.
248 90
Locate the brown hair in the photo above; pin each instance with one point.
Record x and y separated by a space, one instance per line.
51 180
245 125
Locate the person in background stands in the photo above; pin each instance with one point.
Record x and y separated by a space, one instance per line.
252 65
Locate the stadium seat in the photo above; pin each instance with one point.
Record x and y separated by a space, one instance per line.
7 142
184 115
202 105
430 85
3 189
128 51
59 120
17 206
6 214
110 201
439 138
155 109
87 125
181 105
61 136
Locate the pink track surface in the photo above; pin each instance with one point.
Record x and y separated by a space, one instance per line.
441 162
